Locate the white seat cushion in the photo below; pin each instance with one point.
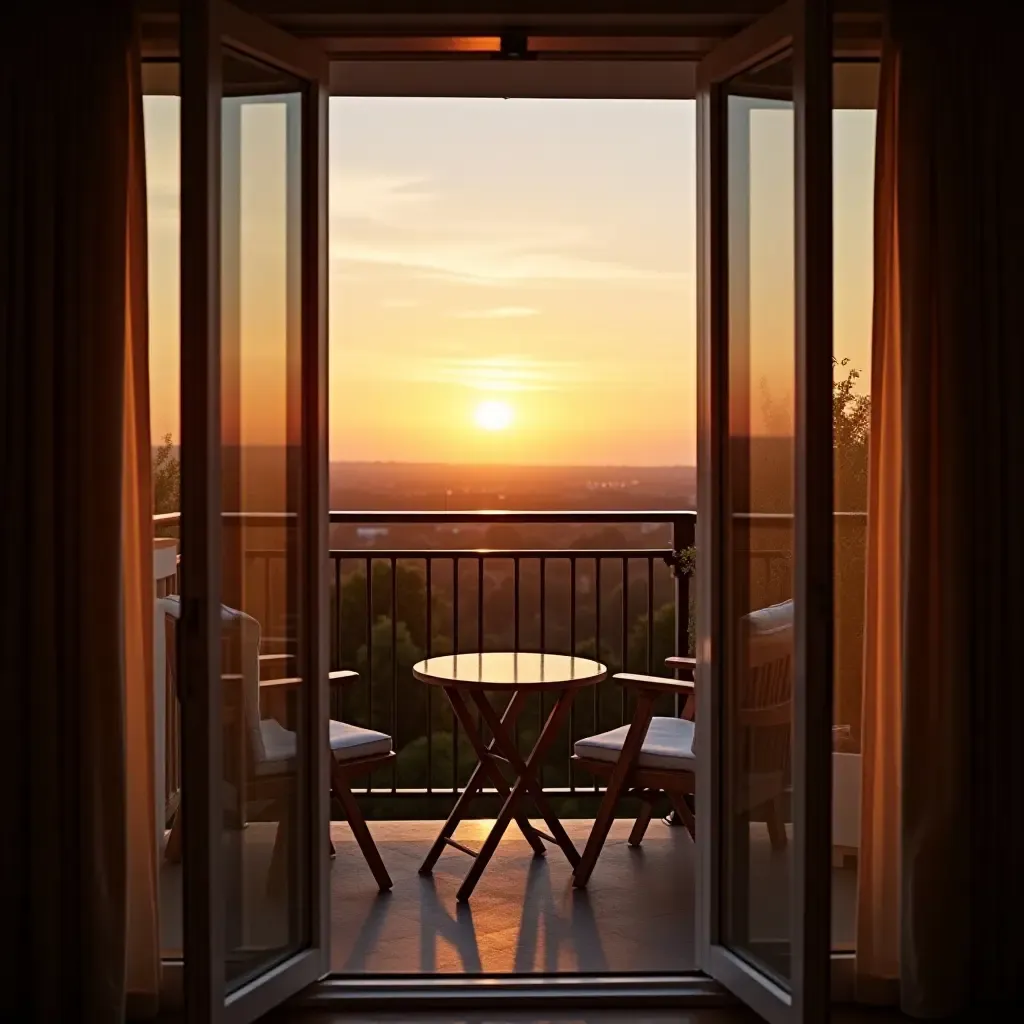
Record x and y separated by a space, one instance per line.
668 744
347 742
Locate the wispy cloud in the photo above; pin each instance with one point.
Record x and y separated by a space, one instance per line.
411 224
387 198
500 373
497 313
495 262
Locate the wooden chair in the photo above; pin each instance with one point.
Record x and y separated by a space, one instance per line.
650 756
654 755
260 761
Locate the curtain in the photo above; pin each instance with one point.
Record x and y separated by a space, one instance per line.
143 903
877 937
939 895
76 569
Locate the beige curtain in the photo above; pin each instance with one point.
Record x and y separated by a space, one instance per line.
940 897
143 954
881 750
76 566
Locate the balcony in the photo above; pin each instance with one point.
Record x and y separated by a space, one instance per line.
404 586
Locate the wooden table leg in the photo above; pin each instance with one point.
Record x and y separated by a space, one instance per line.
485 753
512 712
507 747
522 786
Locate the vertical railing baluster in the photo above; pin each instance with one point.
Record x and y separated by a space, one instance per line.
572 605
394 671
543 604
338 696
572 651
516 621
683 534
268 622
480 603
625 633
479 623
428 567
650 615
455 652
543 648
369 653
597 643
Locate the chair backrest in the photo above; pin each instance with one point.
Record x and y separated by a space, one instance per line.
241 635
766 685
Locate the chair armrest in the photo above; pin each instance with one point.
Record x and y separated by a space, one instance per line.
283 683
334 678
270 658
655 684
682 664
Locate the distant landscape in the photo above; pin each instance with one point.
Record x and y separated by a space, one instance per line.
397 486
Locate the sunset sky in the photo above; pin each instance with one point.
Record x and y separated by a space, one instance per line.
511 280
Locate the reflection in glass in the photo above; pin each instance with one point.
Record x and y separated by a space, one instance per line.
265 835
759 506
161 109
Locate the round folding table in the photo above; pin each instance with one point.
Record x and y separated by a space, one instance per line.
466 680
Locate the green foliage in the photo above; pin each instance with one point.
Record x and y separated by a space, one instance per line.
166 478
410 594
663 641
851 422
412 760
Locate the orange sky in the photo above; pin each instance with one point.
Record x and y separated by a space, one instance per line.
534 253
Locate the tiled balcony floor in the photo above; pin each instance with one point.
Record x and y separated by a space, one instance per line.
524 917
637 914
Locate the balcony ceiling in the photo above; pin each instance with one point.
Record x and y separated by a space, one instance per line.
599 15
623 49
693 26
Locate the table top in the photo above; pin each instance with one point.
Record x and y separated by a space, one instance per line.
501 670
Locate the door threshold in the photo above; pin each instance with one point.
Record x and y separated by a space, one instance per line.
388 992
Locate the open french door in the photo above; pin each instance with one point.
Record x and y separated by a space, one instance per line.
252 657
765 519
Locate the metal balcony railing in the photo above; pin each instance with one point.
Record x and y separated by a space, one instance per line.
624 605
628 605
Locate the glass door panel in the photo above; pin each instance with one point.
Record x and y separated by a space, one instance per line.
254 514
765 512
265 723
758 498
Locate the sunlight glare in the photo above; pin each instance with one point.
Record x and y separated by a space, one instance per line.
493 415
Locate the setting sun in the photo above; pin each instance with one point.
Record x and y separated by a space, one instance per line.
493 415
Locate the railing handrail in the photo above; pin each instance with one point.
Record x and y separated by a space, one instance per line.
399 518
249 517
783 516
498 554
411 518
